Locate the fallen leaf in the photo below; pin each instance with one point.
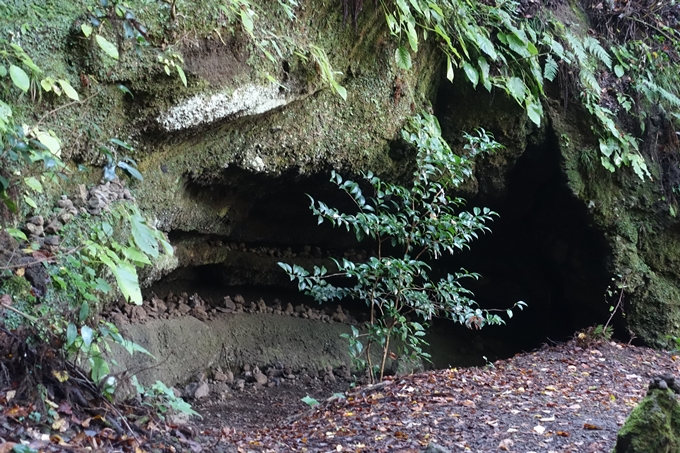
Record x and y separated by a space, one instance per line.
62 376
60 424
590 427
7 447
562 433
65 408
20 272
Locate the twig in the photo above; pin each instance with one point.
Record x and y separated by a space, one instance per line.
618 304
69 104
40 260
19 312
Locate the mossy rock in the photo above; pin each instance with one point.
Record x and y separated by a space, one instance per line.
653 426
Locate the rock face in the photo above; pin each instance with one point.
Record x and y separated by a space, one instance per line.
654 425
230 156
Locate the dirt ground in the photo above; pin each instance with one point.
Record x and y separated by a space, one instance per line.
572 397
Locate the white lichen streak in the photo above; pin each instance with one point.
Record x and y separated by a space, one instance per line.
244 101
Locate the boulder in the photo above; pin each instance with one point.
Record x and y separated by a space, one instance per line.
654 425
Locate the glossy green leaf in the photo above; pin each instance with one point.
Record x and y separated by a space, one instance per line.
449 69
126 277
71 334
109 48
516 89
143 235
131 170
471 73
34 184
403 58
68 89
182 76
86 29
618 70
88 335
51 143
19 78
30 201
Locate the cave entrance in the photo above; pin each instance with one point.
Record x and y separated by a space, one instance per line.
542 250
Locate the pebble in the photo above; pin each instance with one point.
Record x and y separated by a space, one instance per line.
202 390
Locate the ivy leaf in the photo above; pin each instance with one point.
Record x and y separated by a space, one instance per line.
403 58
19 78
471 74
618 70
86 29
109 48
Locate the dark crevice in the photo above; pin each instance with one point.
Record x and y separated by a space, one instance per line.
542 250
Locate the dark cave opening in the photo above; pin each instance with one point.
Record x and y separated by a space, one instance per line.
542 250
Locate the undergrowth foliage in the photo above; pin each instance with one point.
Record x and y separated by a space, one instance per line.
410 226
52 296
495 45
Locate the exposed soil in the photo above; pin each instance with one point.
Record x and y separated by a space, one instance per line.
568 398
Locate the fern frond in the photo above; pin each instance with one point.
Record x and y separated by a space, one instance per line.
594 47
550 70
662 93
590 82
577 47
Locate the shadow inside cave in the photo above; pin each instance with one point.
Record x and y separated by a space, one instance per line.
542 250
